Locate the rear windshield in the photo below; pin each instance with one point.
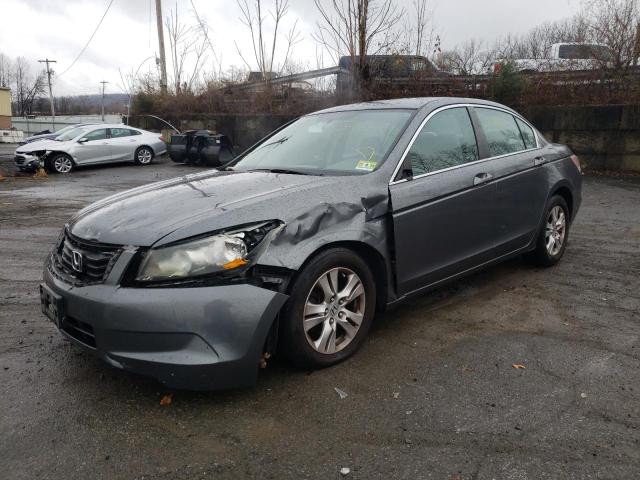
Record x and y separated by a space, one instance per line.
352 141
585 52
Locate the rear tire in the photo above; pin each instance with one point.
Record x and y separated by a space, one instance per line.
553 235
143 156
330 310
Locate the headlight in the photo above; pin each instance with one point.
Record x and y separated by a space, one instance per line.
205 256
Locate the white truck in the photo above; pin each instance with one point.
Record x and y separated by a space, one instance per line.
565 57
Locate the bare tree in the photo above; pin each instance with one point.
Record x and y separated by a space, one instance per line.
27 86
615 23
357 28
5 70
470 58
419 29
264 51
187 52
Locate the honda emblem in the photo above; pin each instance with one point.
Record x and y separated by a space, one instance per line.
76 260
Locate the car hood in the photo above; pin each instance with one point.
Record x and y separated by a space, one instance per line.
175 209
45 144
43 136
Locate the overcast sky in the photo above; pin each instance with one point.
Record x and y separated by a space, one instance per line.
36 29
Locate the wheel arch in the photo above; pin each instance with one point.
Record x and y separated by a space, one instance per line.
372 257
51 155
144 145
564 191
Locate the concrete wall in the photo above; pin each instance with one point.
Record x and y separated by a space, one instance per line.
604 137
244 130
33 125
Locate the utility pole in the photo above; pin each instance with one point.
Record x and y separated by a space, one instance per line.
53 108
163 62
103 84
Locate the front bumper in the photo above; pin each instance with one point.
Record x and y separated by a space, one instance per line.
24 161
203 338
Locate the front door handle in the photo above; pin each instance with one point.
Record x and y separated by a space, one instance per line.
481 178
539 161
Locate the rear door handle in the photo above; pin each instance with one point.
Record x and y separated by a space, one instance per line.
481 178
539 161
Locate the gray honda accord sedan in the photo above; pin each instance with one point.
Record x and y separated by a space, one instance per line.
297 243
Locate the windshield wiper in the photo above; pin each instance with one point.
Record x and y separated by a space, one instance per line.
275 142
282 170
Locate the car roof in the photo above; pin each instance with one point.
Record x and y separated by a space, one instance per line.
409 103
111 125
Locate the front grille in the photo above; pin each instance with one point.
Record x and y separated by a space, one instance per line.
93 260
81 331
19 159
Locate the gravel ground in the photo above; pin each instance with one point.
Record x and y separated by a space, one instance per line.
432 394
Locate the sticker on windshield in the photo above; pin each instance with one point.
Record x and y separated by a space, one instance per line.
367 165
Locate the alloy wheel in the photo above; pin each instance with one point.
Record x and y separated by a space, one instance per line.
144 155
555 231
62 164
334 310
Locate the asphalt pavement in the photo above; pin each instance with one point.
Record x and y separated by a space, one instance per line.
513 373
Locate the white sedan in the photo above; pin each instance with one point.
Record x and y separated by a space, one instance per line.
89 145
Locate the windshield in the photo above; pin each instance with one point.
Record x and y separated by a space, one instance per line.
66 129
340 142
71 134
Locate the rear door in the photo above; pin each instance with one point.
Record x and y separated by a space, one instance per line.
443 214
123 143
520 185
95 148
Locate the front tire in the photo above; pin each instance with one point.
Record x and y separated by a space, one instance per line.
553 236
60 163
330 310
143 156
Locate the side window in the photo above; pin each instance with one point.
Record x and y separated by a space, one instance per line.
501 130
99 134
445 141
134 132
120 132
527 134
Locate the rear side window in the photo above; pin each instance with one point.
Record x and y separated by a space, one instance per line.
447 140
121 132
527 134
501 130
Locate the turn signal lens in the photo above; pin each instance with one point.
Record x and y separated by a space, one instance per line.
576 162
238 262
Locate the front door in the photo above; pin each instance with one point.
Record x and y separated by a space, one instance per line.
442 215
94 148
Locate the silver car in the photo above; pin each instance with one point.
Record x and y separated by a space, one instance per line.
89 145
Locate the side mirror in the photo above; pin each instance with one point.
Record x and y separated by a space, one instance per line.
406 174
83 140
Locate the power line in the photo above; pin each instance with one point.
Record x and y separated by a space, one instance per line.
88 41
